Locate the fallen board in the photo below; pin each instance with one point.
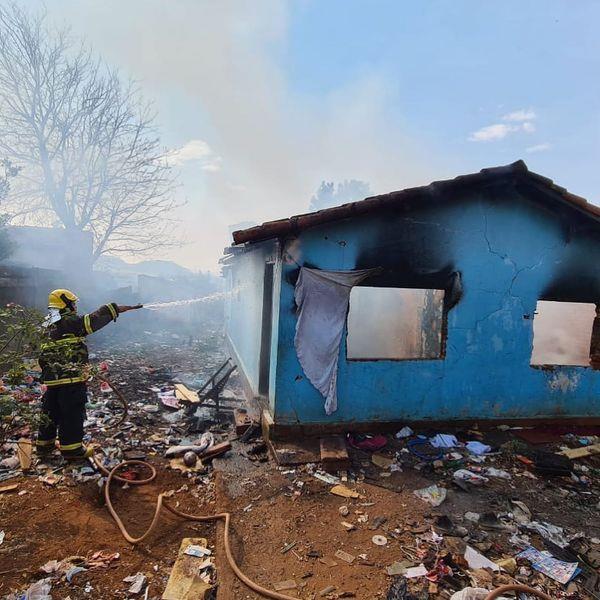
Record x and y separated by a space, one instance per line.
24 449
216 450
581 452
295 453
334 454
8 488
184 582
184 393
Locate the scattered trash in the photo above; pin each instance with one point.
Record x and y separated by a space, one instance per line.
72 572
281 586
197 550
190 459
183 579
2 536
137 582
471 593
384 462
405 432
550 532
469 477
477 448
508 564
344 492
399 567
398 590
520 511
344 510
545 563
444 440
476 560
419 571
344 556
12 462
40 590
326 478
499 473
366 442
379 540
433 494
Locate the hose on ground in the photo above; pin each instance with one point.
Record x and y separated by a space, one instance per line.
516 588
160 504
225 517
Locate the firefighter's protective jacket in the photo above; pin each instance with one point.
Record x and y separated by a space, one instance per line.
64 357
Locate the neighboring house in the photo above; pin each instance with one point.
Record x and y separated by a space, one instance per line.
482 304
42 259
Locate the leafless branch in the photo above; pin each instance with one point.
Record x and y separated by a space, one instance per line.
91 155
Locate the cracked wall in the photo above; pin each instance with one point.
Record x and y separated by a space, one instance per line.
508 248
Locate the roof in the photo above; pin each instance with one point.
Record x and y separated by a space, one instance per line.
516 171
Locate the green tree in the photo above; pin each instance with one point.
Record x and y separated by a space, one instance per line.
21 336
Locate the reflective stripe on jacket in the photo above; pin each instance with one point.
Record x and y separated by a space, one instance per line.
64 357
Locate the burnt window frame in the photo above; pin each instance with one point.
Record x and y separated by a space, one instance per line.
446 306
594 348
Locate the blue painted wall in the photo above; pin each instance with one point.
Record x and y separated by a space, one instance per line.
511 250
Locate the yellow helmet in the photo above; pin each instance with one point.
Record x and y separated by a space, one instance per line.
61 299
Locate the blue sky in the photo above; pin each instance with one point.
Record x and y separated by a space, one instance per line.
263 100
454 67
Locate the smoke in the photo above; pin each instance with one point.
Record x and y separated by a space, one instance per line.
222 64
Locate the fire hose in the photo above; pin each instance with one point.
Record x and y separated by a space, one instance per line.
516 588
111 475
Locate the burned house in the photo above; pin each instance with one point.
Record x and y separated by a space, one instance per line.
469 299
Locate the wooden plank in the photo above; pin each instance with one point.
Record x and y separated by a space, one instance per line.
216 450
184 581
24 448
242 421
581 452
334 454
295 453
11 487
184 393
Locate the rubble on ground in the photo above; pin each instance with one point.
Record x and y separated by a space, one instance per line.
420 513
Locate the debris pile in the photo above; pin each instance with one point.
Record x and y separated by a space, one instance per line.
418 514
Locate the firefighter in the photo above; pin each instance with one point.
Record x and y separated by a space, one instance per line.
64 362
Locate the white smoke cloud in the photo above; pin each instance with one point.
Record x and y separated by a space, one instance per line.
226 60
196 151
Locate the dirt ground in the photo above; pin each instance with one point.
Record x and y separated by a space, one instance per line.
286 523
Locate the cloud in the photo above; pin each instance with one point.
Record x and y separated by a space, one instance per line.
528 127
520 115
499 131
538 148
196 150
516 121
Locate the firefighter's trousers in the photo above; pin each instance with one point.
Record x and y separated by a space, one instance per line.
64 409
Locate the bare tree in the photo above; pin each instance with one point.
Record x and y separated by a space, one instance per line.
91 155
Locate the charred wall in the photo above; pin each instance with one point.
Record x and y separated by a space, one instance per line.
495 252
